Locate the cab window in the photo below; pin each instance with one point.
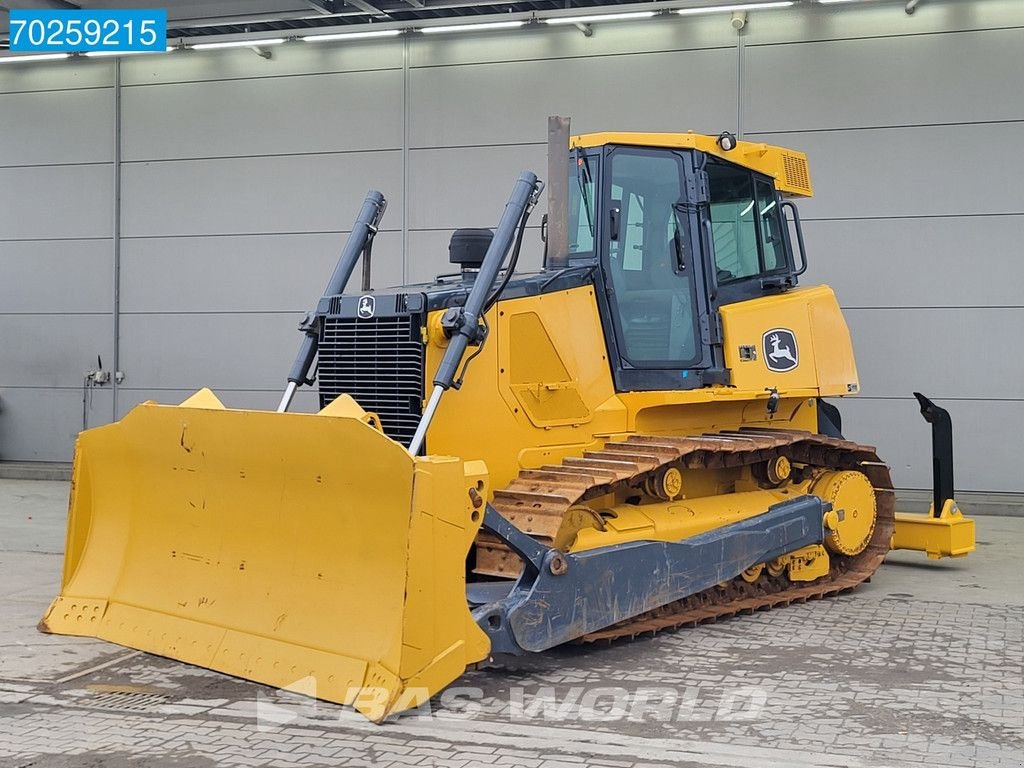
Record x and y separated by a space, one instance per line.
745 224
581 204
769 223
649 261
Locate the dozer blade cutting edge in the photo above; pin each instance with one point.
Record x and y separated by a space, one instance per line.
303 551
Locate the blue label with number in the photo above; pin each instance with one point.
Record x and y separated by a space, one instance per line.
74 31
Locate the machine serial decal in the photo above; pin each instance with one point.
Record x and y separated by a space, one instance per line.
367 305
780 353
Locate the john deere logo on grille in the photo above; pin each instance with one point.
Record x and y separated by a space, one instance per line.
780 354
367 304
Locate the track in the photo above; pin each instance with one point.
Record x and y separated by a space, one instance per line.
538 500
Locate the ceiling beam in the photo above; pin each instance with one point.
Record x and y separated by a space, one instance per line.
363 5
325 7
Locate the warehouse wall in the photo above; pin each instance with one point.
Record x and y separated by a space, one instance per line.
239 176
919 214
56 253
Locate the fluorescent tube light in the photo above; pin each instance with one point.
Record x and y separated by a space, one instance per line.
238 44
472 27
833 2
736 7
599 17
121 53
34 57
352 35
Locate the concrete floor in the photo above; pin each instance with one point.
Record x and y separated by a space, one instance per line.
923 665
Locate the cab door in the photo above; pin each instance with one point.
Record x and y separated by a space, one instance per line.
660 329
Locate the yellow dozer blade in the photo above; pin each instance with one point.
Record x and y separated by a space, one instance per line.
308 552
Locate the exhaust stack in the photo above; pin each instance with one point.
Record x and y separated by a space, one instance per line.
556 252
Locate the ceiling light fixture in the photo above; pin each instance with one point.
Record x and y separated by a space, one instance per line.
736 7
239 44
34 57
600 17
352 35
472 27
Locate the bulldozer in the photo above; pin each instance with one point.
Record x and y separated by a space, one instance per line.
637 437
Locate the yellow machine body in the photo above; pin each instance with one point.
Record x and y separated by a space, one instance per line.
544 380
787 167
949 534
308 552
545 385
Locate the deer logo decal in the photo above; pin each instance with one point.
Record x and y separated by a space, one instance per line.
367 305
780 353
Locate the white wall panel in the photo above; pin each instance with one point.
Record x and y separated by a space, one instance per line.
553 42
52 350
261 273
988 438
242 64
56 75
945 353
886 81
45 202
42 424
428 255
56 276
220 351
276 116
869 20
299 193
452 188
509 102
915 262
50 127
936 170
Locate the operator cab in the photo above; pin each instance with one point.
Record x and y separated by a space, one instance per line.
676 232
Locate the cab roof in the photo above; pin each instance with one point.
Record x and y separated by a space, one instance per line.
788 167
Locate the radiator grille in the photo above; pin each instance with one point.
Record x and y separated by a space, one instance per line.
379 361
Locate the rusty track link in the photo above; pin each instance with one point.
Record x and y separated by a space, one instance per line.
537 500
